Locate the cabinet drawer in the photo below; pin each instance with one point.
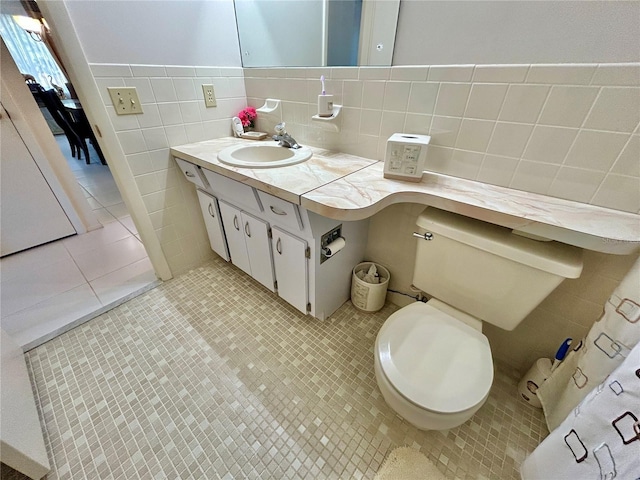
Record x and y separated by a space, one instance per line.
192 173
280 212
232 191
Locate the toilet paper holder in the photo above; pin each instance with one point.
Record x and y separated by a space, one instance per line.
331 243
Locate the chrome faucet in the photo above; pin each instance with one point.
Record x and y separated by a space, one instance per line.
284 139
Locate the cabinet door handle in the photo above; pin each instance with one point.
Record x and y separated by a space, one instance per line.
211 210
279 246
277 211
235 223
189 174
246 229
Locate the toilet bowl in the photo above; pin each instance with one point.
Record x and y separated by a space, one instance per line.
432 362
434 370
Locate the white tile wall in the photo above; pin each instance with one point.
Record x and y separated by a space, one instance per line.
173 114
531 126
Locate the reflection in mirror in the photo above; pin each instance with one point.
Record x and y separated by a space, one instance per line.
313 33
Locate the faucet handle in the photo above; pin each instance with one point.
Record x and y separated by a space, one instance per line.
279 128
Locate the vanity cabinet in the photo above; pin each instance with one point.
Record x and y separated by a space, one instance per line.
213 223
278 242
249 246
290 259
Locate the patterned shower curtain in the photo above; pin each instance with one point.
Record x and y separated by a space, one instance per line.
592 401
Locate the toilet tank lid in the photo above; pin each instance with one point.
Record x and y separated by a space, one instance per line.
552 257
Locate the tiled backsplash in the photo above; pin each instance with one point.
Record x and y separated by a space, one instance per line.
173 114
569 131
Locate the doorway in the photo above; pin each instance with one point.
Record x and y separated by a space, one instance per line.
49 289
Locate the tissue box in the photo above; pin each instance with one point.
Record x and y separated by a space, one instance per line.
406 156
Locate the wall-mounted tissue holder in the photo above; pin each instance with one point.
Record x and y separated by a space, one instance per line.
332 123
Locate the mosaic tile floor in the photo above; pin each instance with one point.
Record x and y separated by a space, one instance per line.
211 376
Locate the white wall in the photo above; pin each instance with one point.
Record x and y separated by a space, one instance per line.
157 32
453 32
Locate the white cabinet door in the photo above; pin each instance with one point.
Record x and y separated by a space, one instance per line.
290 261
256 233
232 221
213 222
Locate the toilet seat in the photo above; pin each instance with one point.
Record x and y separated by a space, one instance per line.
434 360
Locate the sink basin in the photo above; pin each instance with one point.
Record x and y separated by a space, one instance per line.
263 156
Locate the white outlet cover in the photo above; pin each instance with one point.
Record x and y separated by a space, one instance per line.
125 100
209 95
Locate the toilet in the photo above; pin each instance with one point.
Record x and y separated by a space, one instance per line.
433 365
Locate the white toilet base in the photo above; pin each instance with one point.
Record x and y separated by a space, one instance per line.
419 417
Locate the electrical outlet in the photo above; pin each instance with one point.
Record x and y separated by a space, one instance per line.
209 96
125 100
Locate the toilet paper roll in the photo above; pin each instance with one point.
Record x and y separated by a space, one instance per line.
334 247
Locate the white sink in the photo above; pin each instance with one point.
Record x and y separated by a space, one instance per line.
269 155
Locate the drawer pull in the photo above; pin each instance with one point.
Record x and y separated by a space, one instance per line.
211 210
277 211
235 223
189 174
246 229
279 246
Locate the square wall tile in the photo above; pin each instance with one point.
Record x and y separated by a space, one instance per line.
444 131
396 96
523 103
485 101
143 88
596 150
370 121
550 144
616 109
464 164
170 113
452 99
373 95
628 162
155 138
163 90
575 184
533 177
497 170
619 192
422 98
568 106
352 93
509 139
186 89
190 112
417 123
150 116
474 134
132 141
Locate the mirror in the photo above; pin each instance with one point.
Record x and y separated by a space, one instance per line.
315 33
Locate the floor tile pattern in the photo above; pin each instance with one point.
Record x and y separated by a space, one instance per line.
211 376
52 287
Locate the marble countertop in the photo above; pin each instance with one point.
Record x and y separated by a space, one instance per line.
288 183
347 187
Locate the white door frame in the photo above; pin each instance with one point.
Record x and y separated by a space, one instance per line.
77 66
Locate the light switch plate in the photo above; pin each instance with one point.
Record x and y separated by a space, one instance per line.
125 100
209 95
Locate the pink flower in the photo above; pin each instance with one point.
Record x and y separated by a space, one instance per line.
247 116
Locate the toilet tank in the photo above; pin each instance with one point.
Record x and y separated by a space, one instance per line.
486 270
